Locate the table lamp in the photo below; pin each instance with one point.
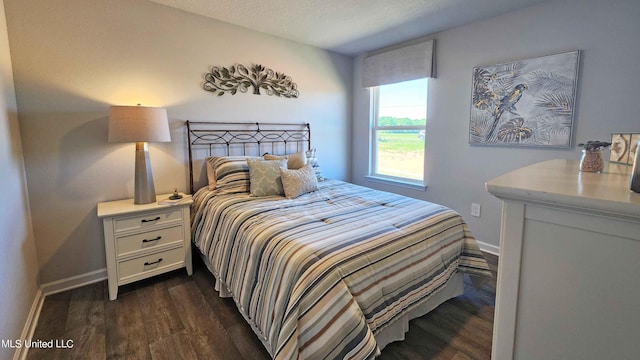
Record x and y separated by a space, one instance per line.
140 124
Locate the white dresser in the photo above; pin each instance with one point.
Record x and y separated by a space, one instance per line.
144 240
569 270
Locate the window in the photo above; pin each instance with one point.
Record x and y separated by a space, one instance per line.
399 119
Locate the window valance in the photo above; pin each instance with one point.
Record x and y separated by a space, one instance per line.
410 62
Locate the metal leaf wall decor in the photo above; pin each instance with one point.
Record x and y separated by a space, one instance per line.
238 77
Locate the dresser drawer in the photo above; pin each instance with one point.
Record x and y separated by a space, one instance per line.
144 266
149 240
148 220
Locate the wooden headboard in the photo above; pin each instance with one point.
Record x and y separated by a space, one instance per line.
251 139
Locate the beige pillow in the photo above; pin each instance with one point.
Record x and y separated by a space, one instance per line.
294 161
211 175
298 182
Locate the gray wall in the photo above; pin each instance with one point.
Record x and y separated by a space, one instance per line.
72 59
18 262
607 100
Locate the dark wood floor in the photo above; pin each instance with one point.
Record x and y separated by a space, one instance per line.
174 316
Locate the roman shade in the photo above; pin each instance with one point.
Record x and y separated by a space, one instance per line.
404 63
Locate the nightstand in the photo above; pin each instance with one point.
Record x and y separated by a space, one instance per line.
141 241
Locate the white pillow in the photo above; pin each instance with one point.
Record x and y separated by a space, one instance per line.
313 160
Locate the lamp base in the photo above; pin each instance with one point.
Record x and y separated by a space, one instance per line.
144 191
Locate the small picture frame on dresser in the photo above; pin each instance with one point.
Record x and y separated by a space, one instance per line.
623 147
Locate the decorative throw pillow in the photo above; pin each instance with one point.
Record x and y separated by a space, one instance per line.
298 182
294 161
230 173
313 160
265 177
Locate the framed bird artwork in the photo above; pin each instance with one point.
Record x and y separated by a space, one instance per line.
526 102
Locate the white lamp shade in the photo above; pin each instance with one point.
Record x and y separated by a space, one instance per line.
138 124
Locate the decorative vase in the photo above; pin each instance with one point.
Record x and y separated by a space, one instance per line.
592 161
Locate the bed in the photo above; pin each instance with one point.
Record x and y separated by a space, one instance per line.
334 272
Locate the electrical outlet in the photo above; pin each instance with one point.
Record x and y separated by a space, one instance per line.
475 210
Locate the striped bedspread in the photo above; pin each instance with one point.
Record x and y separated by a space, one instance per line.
319 275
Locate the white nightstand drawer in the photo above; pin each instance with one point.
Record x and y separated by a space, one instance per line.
148 220
149 240
145 266
135 234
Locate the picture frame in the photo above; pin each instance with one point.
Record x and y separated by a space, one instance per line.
623 147
527 102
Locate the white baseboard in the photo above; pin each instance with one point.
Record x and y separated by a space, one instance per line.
74 282
30 325
491 249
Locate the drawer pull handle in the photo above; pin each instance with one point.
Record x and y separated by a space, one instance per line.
152 220
153 263
152 240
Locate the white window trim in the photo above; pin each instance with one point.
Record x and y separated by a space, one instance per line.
381 178
399 182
